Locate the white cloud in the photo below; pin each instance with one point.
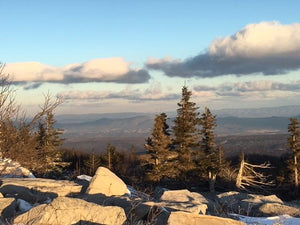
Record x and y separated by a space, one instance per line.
97 70
267 48
265 39
33 71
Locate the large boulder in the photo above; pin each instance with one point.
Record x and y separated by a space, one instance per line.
246 204
275 209
107 183
64 210
183 200
37 189
183 218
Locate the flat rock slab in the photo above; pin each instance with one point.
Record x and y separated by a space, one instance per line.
64 210
183 218
58 187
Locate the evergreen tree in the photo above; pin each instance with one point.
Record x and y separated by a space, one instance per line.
159 150
186 131
294 146
49 140
211 160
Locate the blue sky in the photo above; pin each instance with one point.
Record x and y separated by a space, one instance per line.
117 56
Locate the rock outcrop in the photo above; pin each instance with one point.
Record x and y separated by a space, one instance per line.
107 183
64 210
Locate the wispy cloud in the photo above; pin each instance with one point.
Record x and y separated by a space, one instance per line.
153 93
267 48
264 87
98 70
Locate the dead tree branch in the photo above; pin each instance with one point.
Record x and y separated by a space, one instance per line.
249 177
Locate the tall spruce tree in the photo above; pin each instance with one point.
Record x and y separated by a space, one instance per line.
159 156
210 161
186 131
294 146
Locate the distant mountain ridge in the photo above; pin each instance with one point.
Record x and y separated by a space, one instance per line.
128 129
282 111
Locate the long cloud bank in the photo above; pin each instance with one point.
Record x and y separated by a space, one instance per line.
98 70
155 92
268 48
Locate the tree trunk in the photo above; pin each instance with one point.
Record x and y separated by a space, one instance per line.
109 159
212 181
296 172
240 174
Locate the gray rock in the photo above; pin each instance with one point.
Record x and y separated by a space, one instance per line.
29 195
183 196
245 204
64 210
183 200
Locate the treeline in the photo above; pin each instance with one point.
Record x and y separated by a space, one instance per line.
125 164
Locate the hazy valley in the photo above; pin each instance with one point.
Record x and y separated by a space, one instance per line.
262 130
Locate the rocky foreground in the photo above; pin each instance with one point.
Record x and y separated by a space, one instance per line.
106 199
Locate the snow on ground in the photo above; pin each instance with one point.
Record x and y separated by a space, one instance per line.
84 177
275 220
10 168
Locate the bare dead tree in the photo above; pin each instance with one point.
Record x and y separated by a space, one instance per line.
8 107
249 176
49 105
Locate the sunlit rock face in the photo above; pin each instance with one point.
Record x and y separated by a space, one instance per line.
107 183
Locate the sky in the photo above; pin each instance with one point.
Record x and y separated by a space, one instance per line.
135 56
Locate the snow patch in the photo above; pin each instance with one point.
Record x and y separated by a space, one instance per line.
10 169
85 177
282 220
